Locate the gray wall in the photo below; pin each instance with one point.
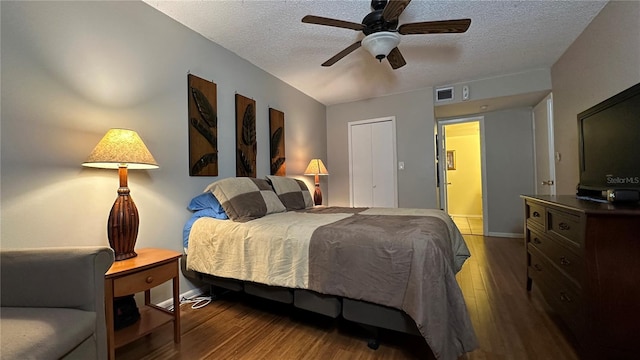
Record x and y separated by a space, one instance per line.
604 60
508 143
72 70
508 90
414 139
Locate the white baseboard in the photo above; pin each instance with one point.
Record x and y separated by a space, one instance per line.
506 235
187 295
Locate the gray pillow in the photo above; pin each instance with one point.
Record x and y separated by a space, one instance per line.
293 193
244 198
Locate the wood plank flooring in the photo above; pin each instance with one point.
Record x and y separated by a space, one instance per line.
509 322
469 225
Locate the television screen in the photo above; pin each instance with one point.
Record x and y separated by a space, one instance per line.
609 140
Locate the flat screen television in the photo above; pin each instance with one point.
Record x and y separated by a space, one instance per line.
609 146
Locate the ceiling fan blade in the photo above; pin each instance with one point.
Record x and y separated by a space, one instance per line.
396 60
435 27
342 54
393 9
319 20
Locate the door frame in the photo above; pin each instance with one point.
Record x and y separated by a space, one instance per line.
394 155
550 151
442 160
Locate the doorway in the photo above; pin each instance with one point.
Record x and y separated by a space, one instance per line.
460 166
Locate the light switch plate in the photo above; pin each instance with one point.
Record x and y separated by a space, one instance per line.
465 92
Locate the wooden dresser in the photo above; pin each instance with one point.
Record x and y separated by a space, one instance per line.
584 257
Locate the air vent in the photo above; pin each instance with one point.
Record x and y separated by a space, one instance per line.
444 94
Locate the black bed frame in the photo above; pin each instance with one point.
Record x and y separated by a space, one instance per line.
370 316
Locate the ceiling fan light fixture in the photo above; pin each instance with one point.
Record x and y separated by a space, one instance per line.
380 44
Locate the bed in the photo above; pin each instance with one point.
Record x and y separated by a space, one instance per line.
385 267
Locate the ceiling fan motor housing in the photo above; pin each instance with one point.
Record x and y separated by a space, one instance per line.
374 22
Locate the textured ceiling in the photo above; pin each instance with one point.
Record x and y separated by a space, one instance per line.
504 37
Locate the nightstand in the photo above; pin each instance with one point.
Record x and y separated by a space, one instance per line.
149 269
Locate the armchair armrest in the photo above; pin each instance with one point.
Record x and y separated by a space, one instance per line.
55 277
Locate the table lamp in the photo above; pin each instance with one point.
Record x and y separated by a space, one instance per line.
122 149
316 168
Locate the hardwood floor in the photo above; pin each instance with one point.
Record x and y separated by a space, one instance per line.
509 322
469 225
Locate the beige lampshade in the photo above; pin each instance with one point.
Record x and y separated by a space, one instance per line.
316 167
121 146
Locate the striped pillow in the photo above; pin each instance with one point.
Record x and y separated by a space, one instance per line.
293 193
244 198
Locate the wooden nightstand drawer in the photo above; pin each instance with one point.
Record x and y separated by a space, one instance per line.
144 280
566 226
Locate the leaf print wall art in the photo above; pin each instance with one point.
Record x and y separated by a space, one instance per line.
245 136
203 127
276 142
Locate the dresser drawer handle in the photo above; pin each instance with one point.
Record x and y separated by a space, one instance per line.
564 261
564 297
537 267
564 226
536 214
149 279
537 241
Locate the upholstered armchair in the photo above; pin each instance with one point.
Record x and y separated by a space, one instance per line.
52 303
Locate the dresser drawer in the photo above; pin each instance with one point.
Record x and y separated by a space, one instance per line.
535 214
564 225
561 294
144 280
564 259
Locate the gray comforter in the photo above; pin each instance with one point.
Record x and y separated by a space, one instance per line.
407 264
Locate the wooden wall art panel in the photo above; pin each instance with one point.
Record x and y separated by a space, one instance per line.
276 145
245 136
203 127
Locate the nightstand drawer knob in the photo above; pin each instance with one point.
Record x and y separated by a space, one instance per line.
149 279
536 214
564 261
537 241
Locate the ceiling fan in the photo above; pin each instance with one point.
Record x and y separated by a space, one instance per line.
382 34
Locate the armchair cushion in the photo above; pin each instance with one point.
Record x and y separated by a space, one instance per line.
44 333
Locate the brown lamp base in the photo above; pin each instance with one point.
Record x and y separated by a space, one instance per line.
122 226
126 256
317 195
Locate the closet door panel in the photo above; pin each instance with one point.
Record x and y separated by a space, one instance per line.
361 166
383 164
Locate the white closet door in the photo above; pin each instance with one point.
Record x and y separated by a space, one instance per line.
361 166
383 164
372 163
